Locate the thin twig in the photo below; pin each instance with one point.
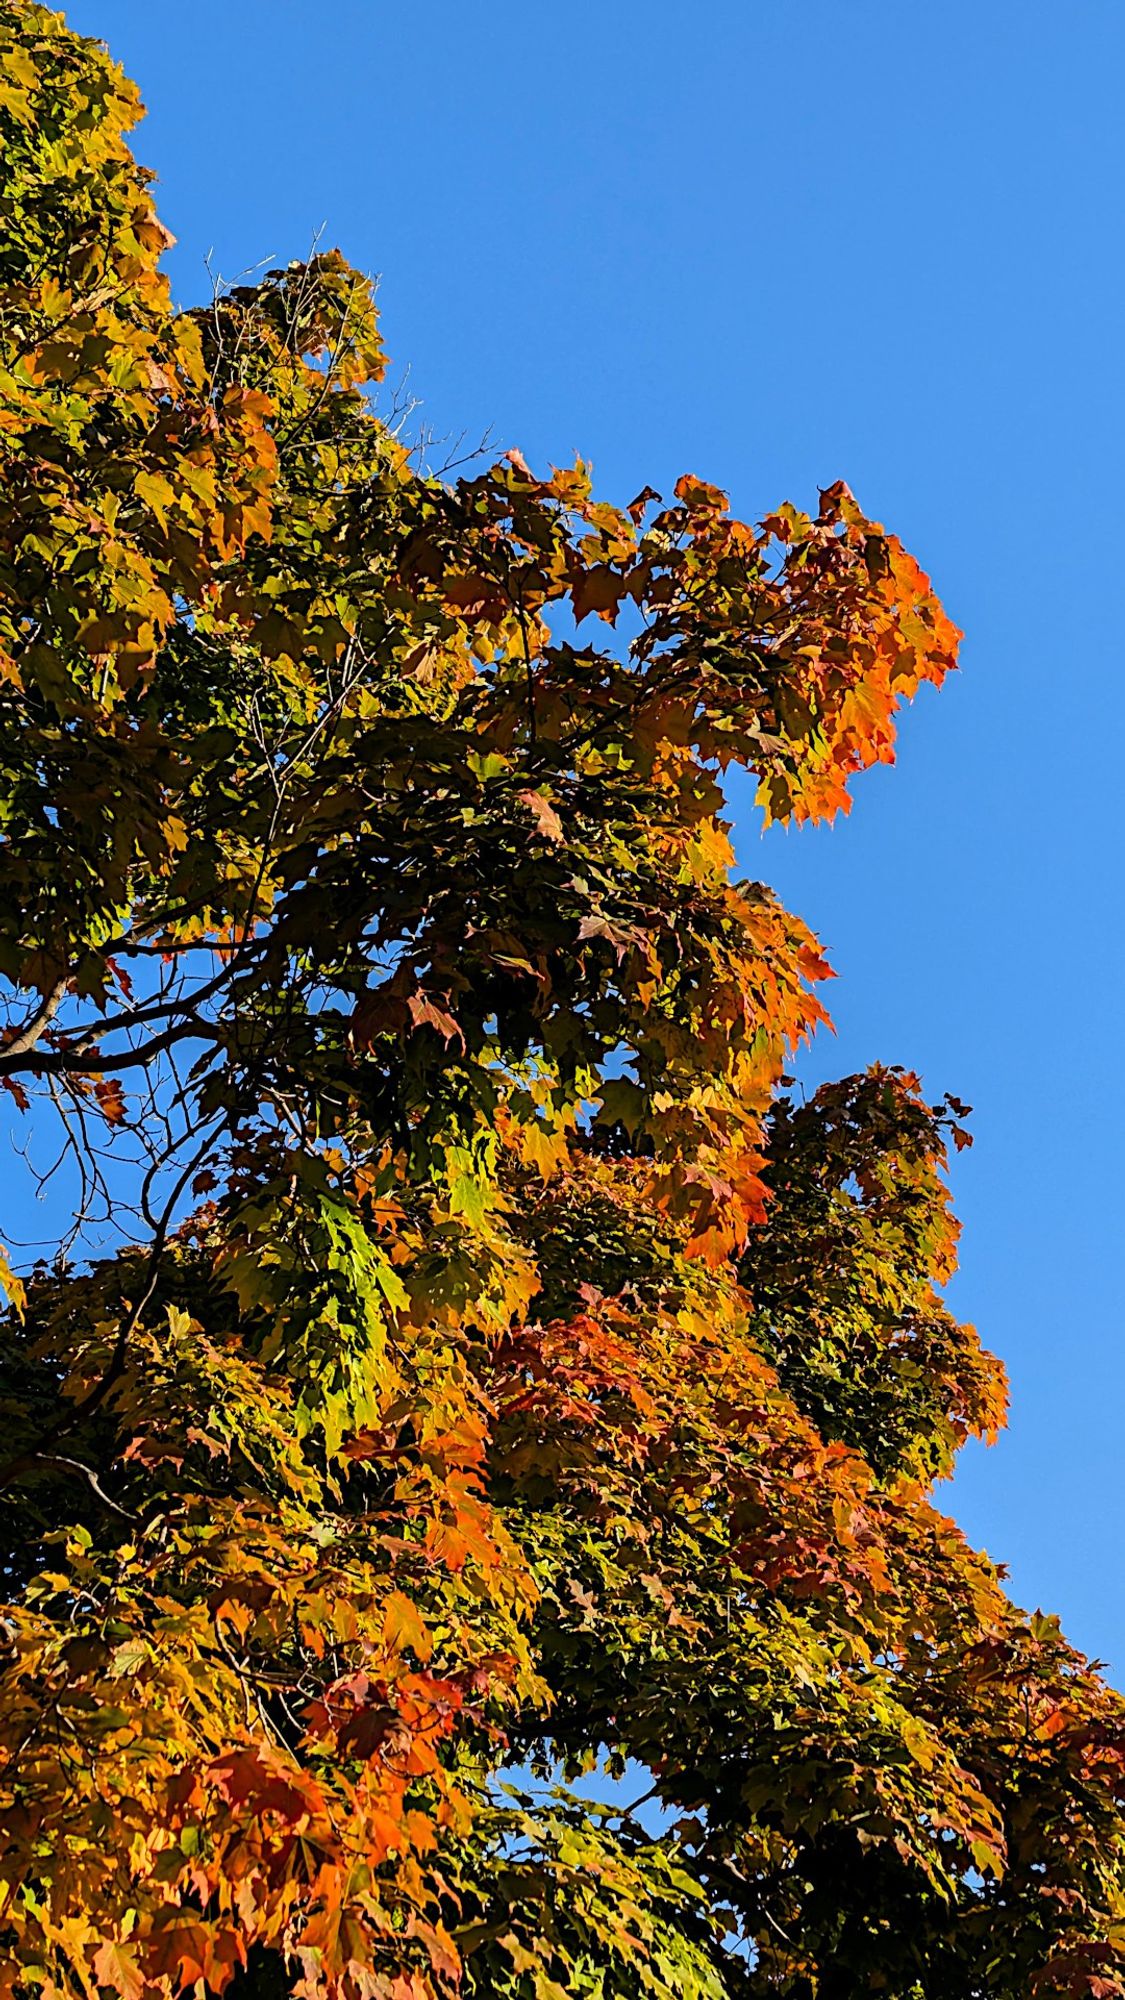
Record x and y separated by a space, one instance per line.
88 1473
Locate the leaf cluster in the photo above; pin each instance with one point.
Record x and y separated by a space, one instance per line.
467 1358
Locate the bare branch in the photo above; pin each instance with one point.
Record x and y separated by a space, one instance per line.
88 1473
84 1061
32 1029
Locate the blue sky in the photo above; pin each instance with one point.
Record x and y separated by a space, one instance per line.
790 244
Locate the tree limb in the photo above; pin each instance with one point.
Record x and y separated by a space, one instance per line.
34 1026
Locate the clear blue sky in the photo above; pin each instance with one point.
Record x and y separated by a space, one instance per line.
775 245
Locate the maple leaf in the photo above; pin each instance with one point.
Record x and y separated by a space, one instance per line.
115 1966
545 816
425 1012
476 597
260 1778
637 506
110 1094
599 589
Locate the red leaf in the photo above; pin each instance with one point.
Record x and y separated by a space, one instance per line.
121 976
248 1777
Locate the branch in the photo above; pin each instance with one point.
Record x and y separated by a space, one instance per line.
96 1396
32 1029
85 1062
160 1010
87 1471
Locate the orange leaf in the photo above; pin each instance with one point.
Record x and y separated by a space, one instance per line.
111 1099
116 1967
424 1013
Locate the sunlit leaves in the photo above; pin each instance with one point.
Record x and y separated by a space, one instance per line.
492 1363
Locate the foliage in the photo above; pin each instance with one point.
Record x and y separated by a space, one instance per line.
493 1369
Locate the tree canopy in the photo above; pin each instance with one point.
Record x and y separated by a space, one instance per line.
471 1365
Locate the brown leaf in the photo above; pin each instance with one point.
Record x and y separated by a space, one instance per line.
598 589
476 597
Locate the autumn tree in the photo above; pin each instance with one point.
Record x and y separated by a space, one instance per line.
468 1366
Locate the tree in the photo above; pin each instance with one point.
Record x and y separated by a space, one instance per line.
468 1359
